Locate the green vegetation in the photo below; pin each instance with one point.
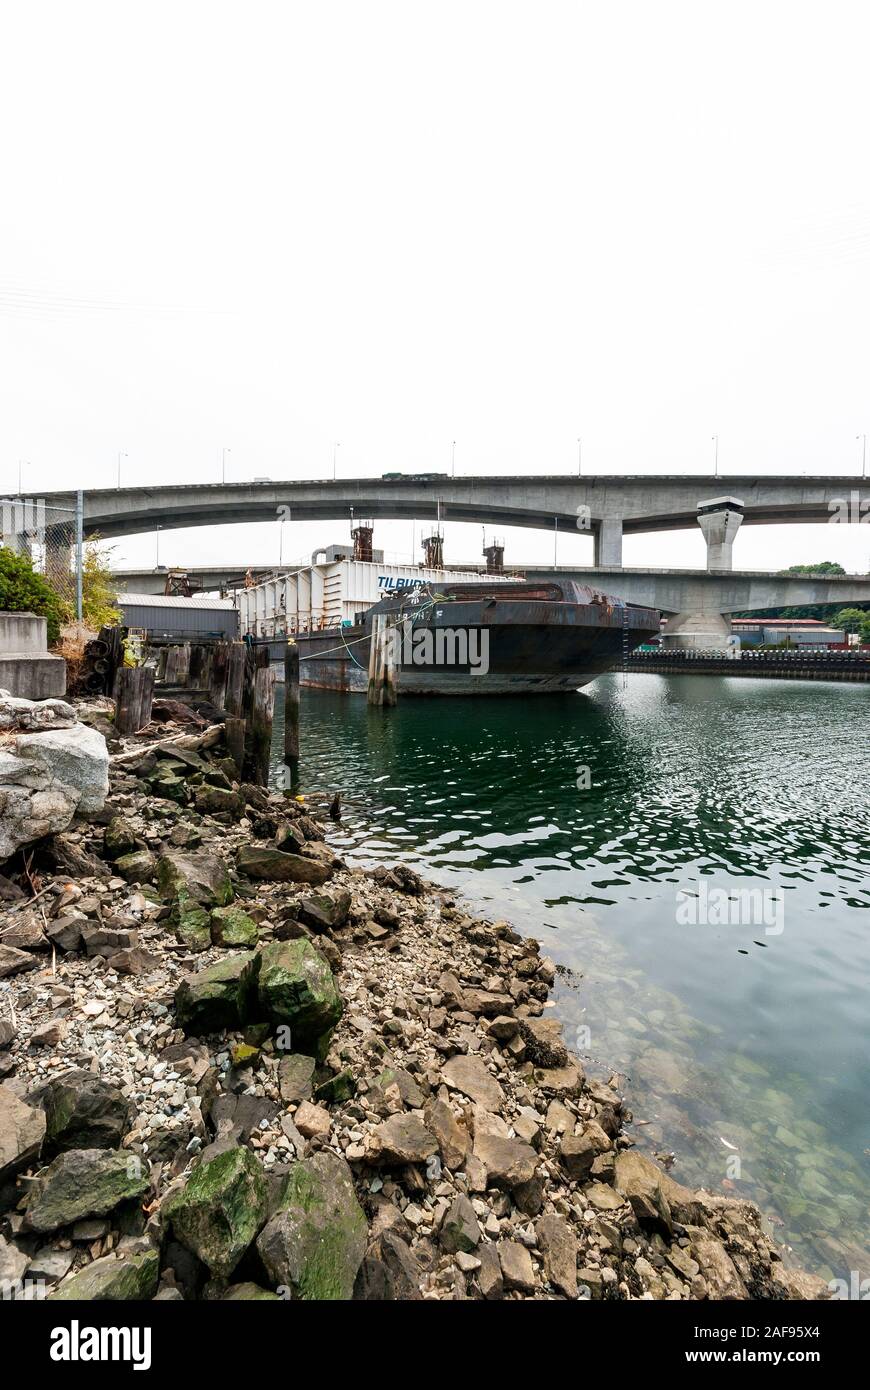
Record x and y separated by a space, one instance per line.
824 612
98 589
23 590
853 620
821 567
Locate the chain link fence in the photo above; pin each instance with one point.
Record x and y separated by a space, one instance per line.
52 537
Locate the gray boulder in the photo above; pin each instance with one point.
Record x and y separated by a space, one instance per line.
46 778
315 1243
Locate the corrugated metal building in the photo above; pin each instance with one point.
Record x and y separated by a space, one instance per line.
193 618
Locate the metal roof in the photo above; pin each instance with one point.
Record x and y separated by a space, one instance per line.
173 601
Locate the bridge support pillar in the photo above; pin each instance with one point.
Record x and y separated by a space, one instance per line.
697 631
720 519
699 626
608 541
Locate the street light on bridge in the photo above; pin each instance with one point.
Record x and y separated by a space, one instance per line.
121 455
863 454
224 453
579 457
716 456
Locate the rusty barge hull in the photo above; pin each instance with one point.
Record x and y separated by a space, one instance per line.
522 639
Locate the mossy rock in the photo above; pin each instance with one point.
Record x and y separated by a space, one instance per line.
230 926
296 988
137 867
113 1278
192 926
218 997
82 1183
314 1244
220 1210
119 838
194 878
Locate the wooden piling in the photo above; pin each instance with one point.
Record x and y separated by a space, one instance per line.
134 689
199 673
259 726
234 732
235 678
291 703
217 690
178 664
382 663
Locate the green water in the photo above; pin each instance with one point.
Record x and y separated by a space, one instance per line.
742 1041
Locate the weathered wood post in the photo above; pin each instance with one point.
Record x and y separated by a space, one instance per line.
291 703
259 725
234 733
256 659
134 689
217 690
197 676
178 664
235 678
382 662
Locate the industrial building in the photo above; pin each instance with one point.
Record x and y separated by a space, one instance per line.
196 619
802 632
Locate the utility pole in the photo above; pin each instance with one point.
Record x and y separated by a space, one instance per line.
716 456
22 463
80 527
224 453
579 457
453 461
863 455
335 449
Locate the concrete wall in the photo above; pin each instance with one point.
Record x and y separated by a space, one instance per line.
27 668
23 632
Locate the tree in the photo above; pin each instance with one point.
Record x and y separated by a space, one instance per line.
850 619
821 567
98 589
23 590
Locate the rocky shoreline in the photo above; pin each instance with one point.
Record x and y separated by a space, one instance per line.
233 1067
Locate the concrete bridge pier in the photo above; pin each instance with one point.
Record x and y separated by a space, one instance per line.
607 542
703 627
720 519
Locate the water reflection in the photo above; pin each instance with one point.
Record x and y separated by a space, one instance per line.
745 1051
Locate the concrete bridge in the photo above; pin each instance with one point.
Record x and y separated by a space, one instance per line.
697 602
607 506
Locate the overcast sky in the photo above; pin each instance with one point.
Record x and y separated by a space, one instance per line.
271 227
